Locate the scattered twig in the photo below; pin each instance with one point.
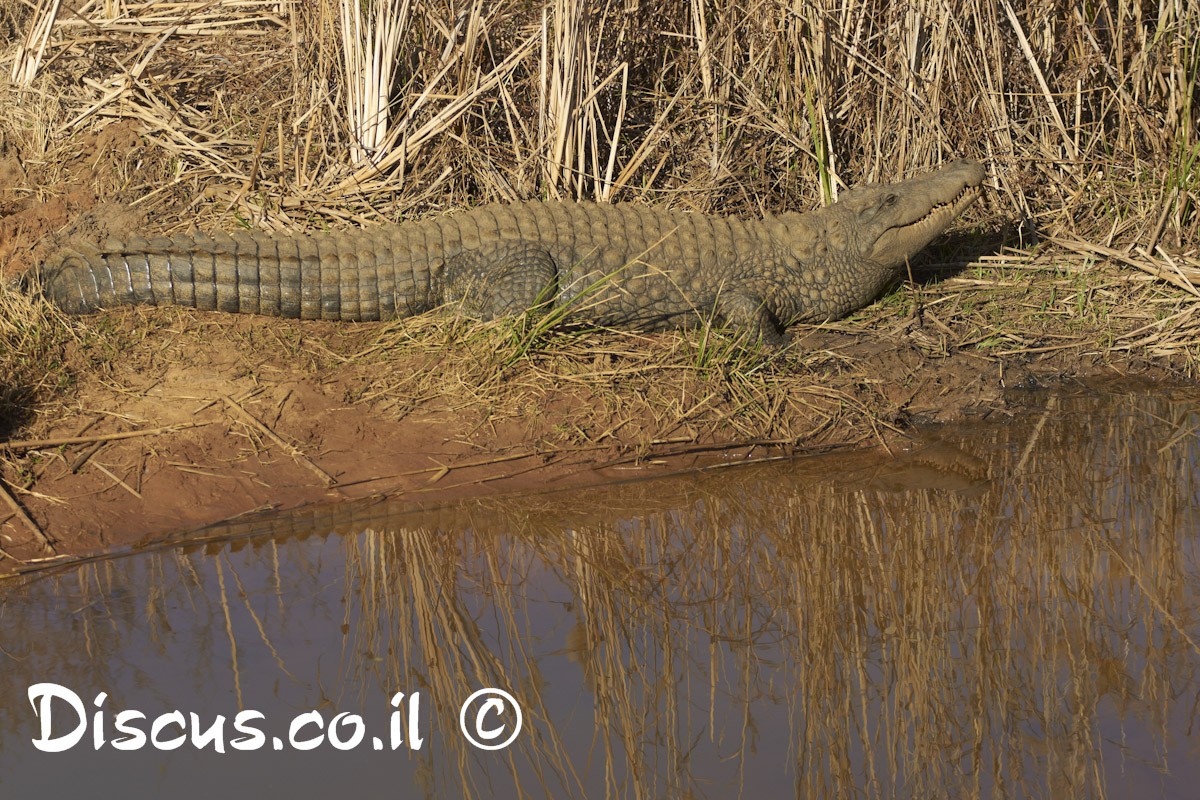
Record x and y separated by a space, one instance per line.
81 458
442 469
254 422
120 482
35 444
42 539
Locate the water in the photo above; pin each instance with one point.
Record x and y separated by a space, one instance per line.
1007 610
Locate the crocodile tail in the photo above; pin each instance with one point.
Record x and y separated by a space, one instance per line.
338 276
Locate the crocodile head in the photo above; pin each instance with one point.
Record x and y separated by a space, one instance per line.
892 223
852 250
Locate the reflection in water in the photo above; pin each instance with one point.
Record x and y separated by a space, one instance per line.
1011 610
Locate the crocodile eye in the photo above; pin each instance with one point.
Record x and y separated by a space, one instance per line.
888 201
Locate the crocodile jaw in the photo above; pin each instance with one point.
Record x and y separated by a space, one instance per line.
898 221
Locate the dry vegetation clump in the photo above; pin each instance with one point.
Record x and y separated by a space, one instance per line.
288 116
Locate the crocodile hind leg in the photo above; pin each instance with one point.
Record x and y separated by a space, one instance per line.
502 287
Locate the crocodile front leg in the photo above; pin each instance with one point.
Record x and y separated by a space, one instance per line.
750 314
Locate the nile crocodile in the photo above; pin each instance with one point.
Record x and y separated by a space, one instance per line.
618 266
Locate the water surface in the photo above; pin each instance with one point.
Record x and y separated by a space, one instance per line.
1006 610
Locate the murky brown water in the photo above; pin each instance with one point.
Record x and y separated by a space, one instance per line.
1011 611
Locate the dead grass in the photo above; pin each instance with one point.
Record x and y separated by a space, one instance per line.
32 356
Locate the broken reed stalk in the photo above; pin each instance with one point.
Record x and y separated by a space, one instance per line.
37 444
372 35
43 541
27 59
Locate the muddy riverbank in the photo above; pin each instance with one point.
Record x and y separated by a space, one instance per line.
168 420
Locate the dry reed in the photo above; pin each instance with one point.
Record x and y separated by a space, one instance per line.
1087 117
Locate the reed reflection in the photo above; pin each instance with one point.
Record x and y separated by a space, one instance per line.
1006 610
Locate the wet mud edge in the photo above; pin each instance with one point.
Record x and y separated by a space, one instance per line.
217 429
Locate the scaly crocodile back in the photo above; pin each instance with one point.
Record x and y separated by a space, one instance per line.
667 261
